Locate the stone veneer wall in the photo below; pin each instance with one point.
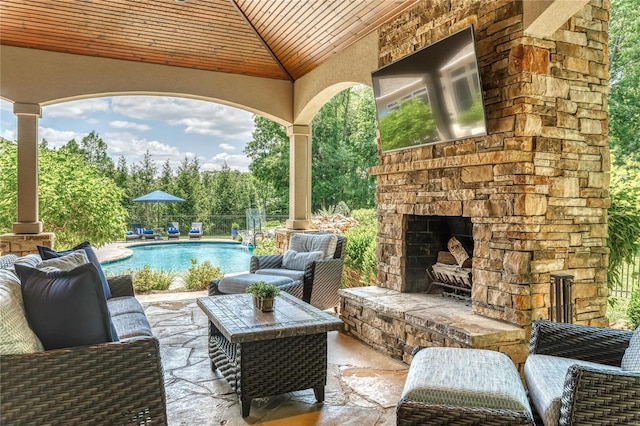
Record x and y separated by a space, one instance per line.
23 244
536 187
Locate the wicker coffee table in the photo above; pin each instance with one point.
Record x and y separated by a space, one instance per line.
262 354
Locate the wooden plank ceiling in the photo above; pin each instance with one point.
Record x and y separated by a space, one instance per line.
275 39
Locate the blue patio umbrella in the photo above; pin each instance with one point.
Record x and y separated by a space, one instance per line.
158 197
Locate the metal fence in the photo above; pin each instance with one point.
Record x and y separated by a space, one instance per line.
630 278
215 226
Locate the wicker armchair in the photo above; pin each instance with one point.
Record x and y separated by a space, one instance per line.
574 377
321 281
110 383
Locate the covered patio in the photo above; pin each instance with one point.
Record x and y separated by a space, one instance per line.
532 194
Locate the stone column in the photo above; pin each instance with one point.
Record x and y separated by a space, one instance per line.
299 176
27 221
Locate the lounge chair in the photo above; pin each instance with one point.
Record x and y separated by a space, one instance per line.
195 233
173 230
135 233
151 234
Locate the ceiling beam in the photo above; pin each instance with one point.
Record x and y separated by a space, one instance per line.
264 43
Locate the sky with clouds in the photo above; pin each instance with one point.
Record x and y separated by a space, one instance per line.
169 128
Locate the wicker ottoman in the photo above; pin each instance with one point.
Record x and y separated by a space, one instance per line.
454 386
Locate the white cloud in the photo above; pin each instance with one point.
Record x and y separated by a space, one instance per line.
199 117
77 109
226 147
235 162
57 138
119 124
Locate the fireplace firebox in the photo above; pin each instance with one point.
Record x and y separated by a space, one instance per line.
428 241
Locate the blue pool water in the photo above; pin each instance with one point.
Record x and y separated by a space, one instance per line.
230 257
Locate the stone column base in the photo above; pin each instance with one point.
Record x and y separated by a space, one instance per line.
23 244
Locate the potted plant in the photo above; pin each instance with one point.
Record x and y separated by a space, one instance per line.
234 230
263 295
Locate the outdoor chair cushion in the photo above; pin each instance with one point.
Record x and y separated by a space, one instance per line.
173 230
289 273
326 243
124 305
66 308
545 376
47 253
16 337
239 283
299 260
148 232
132 324
631 359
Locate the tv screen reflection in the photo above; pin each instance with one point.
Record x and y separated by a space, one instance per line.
433 95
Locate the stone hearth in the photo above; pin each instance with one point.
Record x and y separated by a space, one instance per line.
535 188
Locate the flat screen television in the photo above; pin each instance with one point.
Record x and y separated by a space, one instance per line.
433 95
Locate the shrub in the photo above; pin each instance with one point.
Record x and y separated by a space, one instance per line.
265 247
360 252
147 279
623 221
198 277
633 311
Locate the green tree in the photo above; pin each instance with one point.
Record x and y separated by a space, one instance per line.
269 153
75 201
142 181
344 149
188 185
624 70
94 150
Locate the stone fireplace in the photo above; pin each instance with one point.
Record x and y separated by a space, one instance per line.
533 193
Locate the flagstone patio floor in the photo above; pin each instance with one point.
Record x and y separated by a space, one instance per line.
363 386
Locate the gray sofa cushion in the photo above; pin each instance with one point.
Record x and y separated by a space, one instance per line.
124 305
128 317
132 324
289 273
545 377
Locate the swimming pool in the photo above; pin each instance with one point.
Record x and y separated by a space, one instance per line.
230 257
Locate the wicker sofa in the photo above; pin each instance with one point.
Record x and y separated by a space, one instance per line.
579 375
107 383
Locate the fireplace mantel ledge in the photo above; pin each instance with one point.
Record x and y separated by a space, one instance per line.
477 159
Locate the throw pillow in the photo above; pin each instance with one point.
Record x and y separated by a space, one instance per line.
48 253
299 261
16 337
631 358
65 263
66 308
326 243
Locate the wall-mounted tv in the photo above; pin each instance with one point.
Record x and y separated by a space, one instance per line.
433 95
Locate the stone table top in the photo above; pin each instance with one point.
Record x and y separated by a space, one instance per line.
240 322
